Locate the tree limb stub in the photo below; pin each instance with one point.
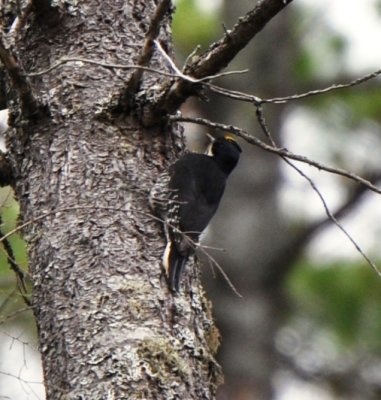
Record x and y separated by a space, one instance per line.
28 102
133 84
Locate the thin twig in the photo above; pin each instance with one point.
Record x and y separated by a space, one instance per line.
19 272
220 53
276 150
6 300
331 217
220 269
331 88
15 314
188 78
191 55
172 63
235 94
18 377
65 60
114 209
246 97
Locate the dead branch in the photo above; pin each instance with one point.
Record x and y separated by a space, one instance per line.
188 78
276 150
220 53
354 82
19 272
145 57
65 60
177 74
14 314
330 216
246 97
28 103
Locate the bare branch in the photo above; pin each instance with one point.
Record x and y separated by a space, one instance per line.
331 88
20 21
250 98
14 314
276 150
28 102
286 256
353 198
65 60
214 263
145 57
331 217
203 249
236 95
19 272
6 300
188 78
220 53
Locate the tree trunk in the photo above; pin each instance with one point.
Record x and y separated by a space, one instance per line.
108 326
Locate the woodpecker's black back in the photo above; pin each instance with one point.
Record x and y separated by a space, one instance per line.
197 183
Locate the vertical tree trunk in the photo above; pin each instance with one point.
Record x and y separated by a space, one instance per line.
108 326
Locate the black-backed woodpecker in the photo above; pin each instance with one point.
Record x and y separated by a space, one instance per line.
195 185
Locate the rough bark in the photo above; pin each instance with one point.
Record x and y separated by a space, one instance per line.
108 326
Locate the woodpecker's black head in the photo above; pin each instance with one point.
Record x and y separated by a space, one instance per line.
225 151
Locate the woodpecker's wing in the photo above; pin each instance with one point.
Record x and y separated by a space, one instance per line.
199 185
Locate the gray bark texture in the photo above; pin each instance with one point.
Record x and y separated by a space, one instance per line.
108 326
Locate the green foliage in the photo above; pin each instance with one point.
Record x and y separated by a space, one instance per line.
11 301
10 212
348 108
377 7
9 295
363 103
192 26
344 299
319 57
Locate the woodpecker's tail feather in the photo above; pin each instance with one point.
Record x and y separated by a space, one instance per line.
174 264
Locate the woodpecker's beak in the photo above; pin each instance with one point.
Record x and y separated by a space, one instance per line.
208 150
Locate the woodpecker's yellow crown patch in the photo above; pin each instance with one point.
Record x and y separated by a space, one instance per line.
229 138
